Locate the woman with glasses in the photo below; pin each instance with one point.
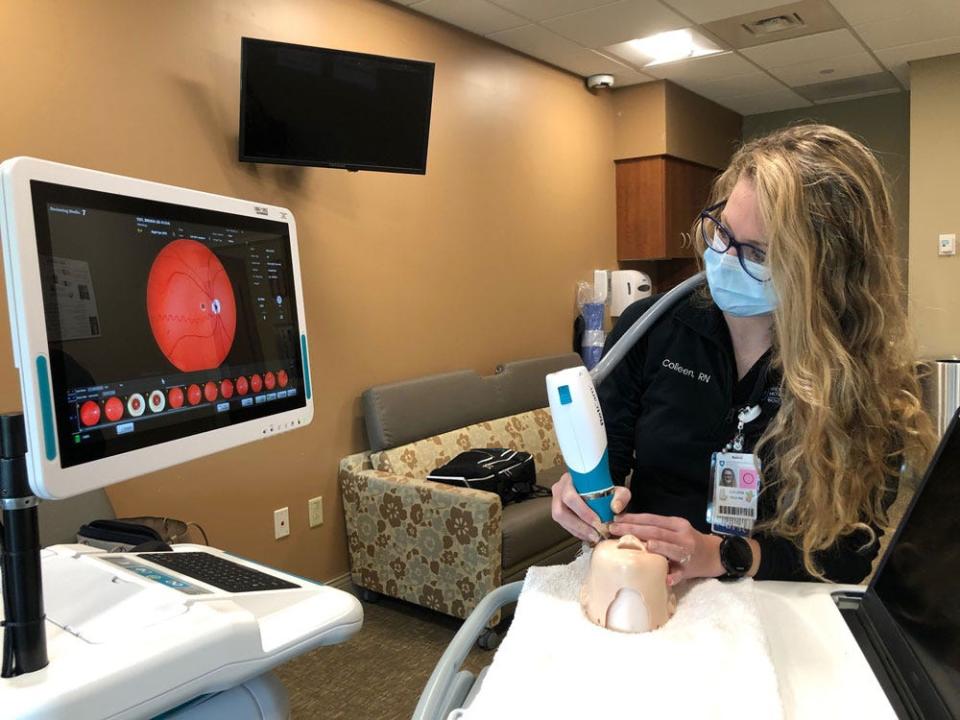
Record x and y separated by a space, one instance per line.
792 371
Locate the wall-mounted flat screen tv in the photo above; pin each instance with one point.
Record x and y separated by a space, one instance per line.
302 105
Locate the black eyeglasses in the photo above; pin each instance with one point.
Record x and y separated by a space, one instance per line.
718 237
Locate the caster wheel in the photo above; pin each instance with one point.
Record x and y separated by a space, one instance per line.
488 640
370 596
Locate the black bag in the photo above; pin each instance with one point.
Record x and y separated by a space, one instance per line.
136 534
511 474
116 535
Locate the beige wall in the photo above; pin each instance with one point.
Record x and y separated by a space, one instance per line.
700 130
473 264
640 120
934 206
660 117
882 122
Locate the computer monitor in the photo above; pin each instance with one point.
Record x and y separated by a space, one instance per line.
151 324
918 584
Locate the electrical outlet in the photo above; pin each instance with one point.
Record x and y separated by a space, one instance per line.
947 244
281 523
315 508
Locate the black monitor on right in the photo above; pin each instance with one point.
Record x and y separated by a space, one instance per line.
919 580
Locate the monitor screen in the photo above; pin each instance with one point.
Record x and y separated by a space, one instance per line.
314 106
919 582
162 320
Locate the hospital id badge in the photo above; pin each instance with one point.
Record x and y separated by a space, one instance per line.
734 490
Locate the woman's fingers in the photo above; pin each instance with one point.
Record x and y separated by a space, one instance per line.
644 532
675 575
572 513
621 498
671 551
663 521
571 499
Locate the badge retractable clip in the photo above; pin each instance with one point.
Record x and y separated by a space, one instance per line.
747 415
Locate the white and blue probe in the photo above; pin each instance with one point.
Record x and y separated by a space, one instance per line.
577 417
578 423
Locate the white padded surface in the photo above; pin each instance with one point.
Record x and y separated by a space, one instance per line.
710 660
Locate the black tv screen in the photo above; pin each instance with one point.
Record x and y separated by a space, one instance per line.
302 105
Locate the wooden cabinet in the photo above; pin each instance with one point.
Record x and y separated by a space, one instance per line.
658 199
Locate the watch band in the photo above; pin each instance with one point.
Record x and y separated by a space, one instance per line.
736 556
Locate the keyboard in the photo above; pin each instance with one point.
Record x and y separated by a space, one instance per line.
217 571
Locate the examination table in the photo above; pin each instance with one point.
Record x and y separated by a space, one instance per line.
821 671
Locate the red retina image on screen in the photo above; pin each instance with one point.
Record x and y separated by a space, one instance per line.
191 306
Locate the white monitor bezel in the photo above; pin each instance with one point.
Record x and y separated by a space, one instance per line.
29 333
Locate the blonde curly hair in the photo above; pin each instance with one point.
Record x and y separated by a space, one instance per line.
851 418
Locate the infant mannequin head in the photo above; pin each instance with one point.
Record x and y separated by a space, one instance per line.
626 588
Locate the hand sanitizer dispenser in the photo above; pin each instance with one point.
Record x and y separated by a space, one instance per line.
627 286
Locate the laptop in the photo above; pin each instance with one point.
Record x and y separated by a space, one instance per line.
908 621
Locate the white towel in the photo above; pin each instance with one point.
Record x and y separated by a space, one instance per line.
711 660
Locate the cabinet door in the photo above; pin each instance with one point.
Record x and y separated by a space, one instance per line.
687 192
640 208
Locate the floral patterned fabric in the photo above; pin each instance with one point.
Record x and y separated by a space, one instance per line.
531 432
432 544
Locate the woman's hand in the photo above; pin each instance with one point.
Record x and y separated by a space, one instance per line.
691 553
573 514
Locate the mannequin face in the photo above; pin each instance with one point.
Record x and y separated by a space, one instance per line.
626 588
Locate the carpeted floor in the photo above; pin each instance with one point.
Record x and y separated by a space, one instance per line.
379 673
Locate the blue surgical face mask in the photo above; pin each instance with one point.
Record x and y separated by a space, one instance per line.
733 290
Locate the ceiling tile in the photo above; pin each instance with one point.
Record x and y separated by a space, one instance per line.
857 12
549 47
896 58
764 102
737 86
477 16
618 22
711 67
924 21
625 77
835 43
702 11
858 96
537 10
849 88
814 71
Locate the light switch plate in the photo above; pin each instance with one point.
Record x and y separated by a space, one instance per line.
947 244
315 511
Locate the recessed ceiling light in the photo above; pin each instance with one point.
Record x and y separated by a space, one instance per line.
665 47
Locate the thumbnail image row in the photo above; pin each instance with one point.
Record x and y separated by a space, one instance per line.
113 408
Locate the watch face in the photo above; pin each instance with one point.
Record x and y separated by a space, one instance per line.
736 555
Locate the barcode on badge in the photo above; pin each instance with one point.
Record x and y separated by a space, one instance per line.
731 511
733 523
